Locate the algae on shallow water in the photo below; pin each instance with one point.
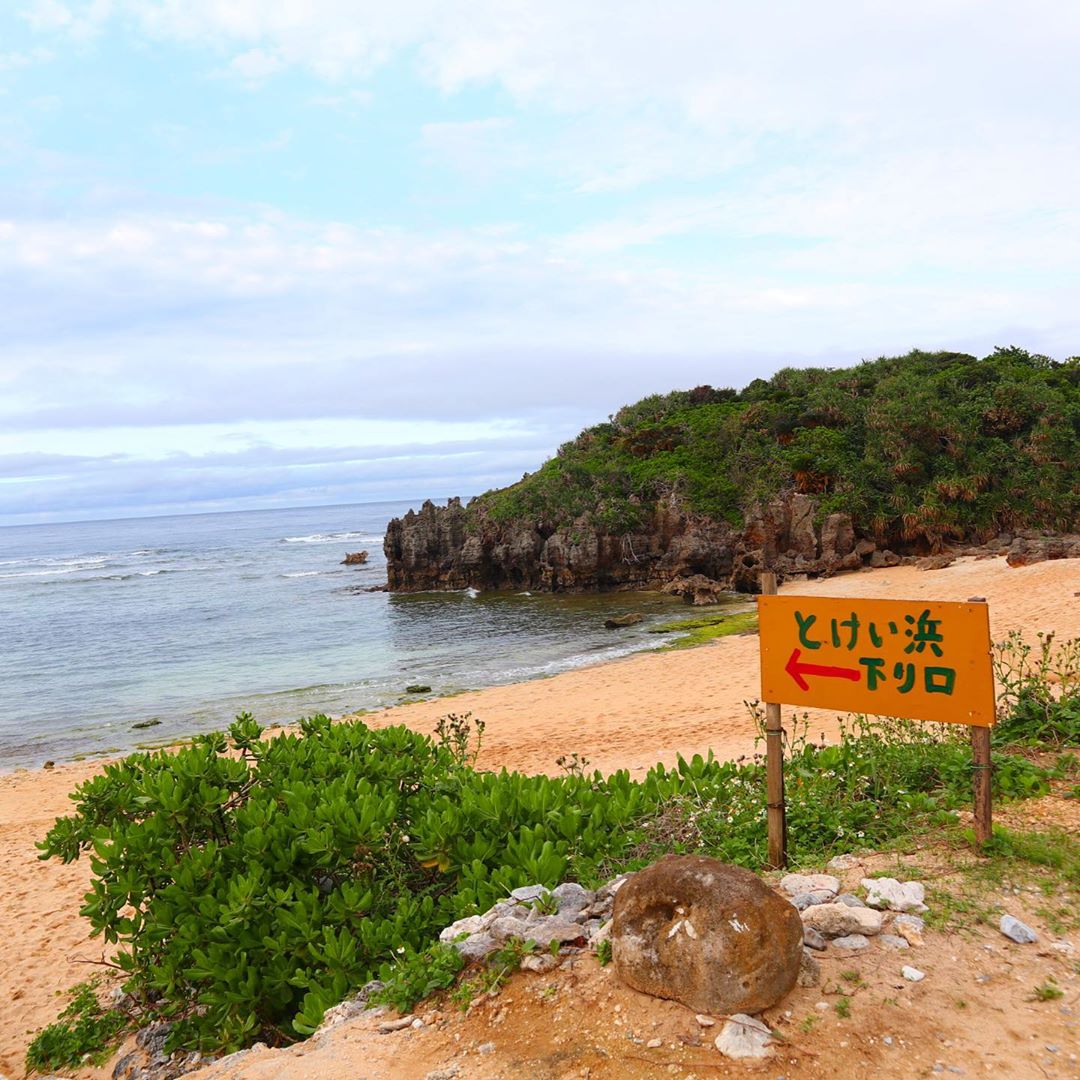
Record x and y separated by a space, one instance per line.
703 628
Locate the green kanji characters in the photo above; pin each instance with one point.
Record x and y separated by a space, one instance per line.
925 633
904 674
874 674
939 680
805 622
875 638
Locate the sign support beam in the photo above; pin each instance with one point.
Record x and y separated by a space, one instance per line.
982 770
774 764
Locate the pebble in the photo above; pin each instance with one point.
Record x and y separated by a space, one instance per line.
912 974
887 1040
389 1026
891 941
1017 931
844 862
655 1044
486 1048
812 939
851 941
449 1073
705 1021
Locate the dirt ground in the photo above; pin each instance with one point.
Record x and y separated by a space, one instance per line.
627 714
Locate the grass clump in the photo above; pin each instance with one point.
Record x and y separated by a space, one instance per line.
85 1031
703 628
1039 704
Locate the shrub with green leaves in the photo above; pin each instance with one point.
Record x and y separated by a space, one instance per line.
252 883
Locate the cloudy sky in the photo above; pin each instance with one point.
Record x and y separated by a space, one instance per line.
315 251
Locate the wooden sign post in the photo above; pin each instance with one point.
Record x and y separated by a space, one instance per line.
922 660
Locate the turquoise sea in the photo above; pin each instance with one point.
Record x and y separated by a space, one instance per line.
188 620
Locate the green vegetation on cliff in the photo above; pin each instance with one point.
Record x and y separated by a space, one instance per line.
924 447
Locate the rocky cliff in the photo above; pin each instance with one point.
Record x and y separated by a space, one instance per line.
457 547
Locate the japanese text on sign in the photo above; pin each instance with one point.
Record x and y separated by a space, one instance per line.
916 659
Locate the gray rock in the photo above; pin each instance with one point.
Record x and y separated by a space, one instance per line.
573 900
528 893
912 921
794 884
448 1072
850 899
809 970
891 941
475 948
555 928
812 939
471 925
839 920
744 1037
1017 931
507 927
851 941
486 1048
541 963
388 1027
895 895
912 974
801 901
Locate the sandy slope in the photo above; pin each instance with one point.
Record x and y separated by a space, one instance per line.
626 714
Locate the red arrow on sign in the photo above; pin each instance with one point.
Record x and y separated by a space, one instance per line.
797 671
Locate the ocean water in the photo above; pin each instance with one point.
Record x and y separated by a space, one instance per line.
189 620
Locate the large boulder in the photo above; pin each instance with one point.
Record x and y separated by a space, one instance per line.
714 937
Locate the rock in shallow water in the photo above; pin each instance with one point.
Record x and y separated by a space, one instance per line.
711 936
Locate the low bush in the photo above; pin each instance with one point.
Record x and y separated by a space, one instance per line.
251 883
85 1031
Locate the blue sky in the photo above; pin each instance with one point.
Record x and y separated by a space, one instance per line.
261 254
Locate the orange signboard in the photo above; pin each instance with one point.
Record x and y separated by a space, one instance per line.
924 660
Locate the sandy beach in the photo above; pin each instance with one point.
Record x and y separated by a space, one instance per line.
627 714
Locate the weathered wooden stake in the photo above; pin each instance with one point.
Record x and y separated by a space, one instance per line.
982 768
980 752
774 764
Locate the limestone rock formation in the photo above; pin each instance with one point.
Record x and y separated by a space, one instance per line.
711 936
683 554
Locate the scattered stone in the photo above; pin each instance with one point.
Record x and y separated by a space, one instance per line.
655 1044
794 884
388 1027
1017 931
888 1040
844 862
838 920
486 1048
450 1072
851 941
812 939
809 970
744 1037
1062 946
349 1008
894 895
912 974
850 899
616 622
541 963
714 937
705 1021
48 765
892 941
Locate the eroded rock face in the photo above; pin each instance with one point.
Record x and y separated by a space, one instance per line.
701 560
711 936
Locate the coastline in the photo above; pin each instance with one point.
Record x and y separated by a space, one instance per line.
627 713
